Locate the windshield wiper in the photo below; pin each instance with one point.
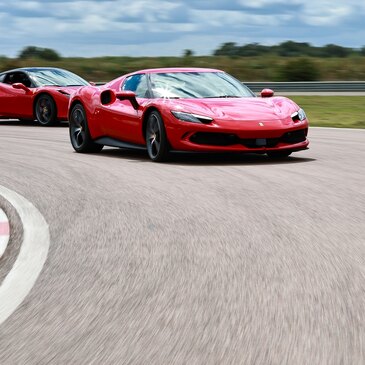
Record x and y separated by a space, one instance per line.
75 85
222 96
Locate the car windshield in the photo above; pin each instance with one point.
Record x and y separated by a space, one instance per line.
197 85
56 77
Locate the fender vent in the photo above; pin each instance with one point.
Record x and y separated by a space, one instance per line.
106 97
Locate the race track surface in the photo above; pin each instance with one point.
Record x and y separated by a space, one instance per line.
228 259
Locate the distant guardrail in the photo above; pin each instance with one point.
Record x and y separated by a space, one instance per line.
303 86
309 86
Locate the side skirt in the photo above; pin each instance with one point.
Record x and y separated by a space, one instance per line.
112 142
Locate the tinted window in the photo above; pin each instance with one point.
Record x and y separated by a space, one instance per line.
137 84
17 77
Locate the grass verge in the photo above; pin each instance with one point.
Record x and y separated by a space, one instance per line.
333 111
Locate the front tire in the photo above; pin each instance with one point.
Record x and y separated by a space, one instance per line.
46 110
156 140
79 132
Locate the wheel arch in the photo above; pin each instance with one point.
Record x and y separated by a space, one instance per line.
146 114
95 129
73 103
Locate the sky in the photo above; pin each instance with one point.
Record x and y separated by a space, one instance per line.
89 28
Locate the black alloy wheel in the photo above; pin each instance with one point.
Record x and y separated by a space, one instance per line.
79 132
157 144
45 110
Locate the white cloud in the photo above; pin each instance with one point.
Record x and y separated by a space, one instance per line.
256 4
135 27
325 13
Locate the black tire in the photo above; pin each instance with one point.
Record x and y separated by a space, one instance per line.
156 140
277 155
79 132
46 110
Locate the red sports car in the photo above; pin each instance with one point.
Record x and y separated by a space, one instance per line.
37 93
185 109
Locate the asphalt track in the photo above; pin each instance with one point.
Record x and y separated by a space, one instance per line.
228 259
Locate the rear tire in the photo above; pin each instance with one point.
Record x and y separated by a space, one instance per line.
277 155
79 132
156 140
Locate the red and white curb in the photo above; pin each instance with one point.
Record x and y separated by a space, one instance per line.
4 232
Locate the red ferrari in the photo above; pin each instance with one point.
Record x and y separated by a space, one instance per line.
37 93
185 109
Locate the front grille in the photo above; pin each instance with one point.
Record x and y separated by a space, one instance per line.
225 139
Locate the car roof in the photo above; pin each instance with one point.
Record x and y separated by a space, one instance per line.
30 69
175 69
162 70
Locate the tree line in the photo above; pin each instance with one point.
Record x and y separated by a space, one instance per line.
286 49
232 49
288 61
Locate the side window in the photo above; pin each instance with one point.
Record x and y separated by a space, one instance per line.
2 78
137 84
8 78
17 77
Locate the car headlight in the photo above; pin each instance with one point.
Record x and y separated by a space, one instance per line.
189 117
299 115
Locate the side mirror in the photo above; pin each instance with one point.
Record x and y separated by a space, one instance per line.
267 93
128 95
92 83
20 86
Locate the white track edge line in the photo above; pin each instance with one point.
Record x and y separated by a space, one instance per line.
32 255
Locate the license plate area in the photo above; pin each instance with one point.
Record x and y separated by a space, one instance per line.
261 142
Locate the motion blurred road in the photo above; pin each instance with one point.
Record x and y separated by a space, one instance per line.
218 259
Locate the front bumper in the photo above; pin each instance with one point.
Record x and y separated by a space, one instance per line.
251 136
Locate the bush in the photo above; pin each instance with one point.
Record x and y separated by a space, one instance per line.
332 50
301 69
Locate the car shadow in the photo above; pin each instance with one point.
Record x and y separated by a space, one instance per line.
29 123
204 159
180 158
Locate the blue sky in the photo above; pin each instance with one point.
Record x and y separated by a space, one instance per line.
164 27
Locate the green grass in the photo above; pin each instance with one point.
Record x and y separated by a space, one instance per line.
333 111
260 68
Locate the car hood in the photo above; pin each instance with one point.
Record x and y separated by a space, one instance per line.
241 109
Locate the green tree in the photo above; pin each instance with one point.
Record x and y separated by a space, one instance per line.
38 52
293 49
50 55
188 53
333 50
253 49
227 49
